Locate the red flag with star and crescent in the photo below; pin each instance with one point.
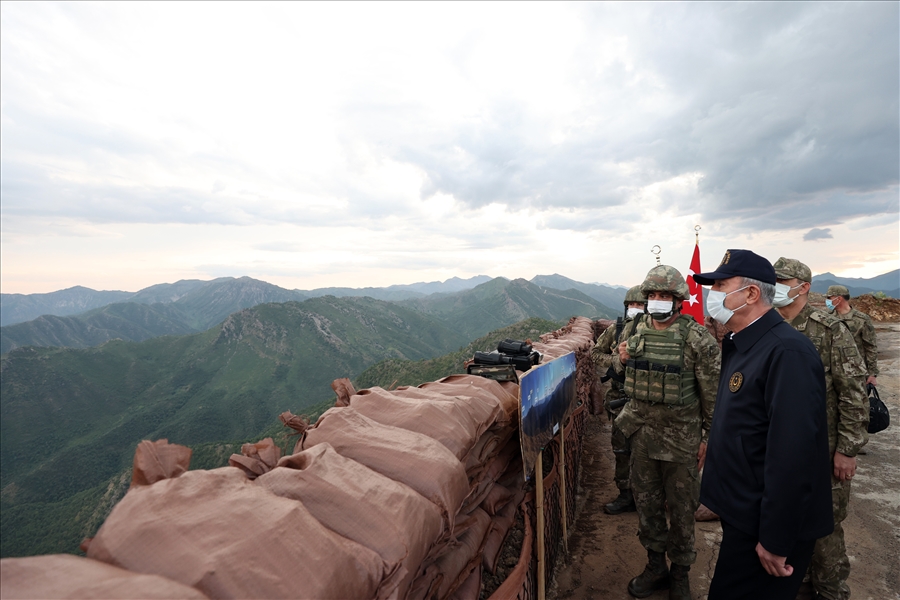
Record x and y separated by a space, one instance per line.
693 304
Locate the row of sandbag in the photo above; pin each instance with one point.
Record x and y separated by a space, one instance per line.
382 498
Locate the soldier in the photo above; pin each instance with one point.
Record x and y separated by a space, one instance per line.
837 299
604 352
671 366
847 410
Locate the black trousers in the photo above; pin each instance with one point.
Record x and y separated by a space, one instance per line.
740 576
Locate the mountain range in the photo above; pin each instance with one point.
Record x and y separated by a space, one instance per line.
192 306
70 418
889 284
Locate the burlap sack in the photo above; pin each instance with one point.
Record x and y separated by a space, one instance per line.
475 386
451 421
155 461
416 460
501 523
494 470
256 459
470 588
496 499
77 578
221 533
356 502
456 564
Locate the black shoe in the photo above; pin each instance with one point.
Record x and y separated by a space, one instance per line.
655 576
680 583
624 503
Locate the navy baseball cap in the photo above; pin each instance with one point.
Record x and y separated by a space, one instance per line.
739 263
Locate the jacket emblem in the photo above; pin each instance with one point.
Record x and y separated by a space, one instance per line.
734 384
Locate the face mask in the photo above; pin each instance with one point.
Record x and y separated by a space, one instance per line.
715 304
829 304
781 295
660 309
631 313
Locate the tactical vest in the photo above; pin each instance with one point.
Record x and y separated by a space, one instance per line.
655 372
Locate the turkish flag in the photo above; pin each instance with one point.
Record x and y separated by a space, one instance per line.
693 305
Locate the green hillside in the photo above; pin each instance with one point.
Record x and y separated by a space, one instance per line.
70 419
501 302
127 321
395 372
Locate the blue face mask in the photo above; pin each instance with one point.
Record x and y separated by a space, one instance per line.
829 304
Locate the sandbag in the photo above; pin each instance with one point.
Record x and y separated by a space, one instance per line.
496 499
457 564
256 459
472 385
501 524
494 470
221 533
470 588
452 423
416 460
356 502
77 578
155 461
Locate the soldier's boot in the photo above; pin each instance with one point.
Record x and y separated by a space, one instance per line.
622 504
655 576
680 584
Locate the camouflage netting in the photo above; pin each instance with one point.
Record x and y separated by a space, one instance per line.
406 493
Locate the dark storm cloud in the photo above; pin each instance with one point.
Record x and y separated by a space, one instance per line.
786 109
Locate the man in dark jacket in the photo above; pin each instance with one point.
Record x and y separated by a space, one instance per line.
768 471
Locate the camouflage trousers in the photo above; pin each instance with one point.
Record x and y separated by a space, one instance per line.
830 567
655 484
622 452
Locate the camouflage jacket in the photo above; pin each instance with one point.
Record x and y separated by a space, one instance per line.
605 354
860 325
674 432
845 394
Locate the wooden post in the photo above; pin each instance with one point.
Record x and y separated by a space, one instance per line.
562 486
539 506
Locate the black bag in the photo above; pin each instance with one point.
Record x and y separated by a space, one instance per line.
514 347
879 417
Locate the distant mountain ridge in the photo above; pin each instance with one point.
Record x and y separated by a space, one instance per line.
889 283
610 296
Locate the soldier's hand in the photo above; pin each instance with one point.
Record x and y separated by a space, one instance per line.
701 456
872 380
844 466
623 352
772 563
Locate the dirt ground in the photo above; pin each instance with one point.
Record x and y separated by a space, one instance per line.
604 551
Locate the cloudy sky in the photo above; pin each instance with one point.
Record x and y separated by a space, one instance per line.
340 144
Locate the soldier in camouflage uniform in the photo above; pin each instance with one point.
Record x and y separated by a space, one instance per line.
859 324
604 352
671 367
847 411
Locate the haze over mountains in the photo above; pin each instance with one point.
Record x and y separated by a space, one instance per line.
191 306
889 283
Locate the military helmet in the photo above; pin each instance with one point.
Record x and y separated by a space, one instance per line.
663 278
634 295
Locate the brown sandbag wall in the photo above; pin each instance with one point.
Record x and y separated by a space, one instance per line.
407 493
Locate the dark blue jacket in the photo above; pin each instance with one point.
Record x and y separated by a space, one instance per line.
768 472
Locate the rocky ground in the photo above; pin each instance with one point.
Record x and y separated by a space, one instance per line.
604 552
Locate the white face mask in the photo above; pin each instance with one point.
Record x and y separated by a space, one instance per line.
781 295
715 304
631 313
660 309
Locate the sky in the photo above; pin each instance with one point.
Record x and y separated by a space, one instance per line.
340 144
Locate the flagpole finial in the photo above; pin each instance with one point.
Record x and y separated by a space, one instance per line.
656 250
697 229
